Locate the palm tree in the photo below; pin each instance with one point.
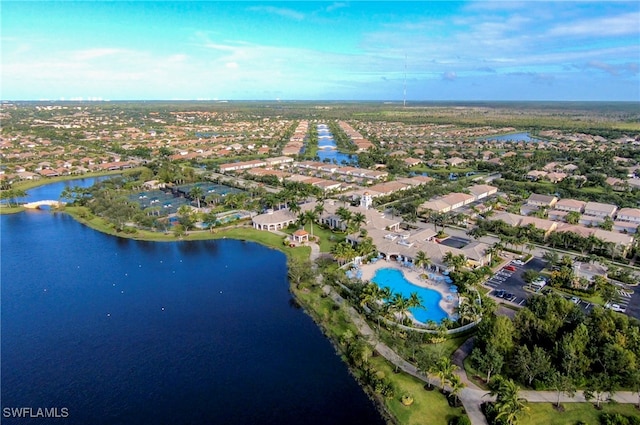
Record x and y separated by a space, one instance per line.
319 209
358 219
454 262
196 193
310 216
212 198
414 301
456 386
444 370
508 403
421 260
365 246
343 252
294 207
399 305
345 215
552 257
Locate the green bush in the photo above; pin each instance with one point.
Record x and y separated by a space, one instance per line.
618 419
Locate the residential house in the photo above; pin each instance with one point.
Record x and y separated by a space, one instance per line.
598 209
569 205
481 191
537 200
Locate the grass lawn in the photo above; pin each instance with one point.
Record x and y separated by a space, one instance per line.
546 414
429 407
327 238
30 184
243 233
4 209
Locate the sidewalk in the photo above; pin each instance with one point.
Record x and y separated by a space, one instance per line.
471 396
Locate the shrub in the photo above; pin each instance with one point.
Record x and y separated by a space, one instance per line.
618 419
407 399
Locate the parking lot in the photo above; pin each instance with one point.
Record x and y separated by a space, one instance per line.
633 304
509 285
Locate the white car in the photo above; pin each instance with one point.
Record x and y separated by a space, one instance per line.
575 300
615 307
518 262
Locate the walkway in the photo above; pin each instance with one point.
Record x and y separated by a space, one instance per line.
38 204
471 396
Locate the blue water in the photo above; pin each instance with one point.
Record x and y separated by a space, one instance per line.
327 148
129 332
430 310
52 191
514 137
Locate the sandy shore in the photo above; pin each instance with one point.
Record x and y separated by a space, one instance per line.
369 270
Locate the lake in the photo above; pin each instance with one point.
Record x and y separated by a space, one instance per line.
129 332
513 137
327 148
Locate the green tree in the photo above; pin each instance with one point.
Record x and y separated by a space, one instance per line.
444 370
490 361
299 270
421 260
572 217
456 386
196 193
509 405
562 384
529 365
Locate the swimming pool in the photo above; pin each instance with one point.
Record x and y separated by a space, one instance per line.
394 279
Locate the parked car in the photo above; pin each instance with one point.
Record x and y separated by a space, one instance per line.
510 268
500 293
518 262
615 307
509 296
575 300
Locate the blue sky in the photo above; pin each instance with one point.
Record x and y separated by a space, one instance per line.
234 50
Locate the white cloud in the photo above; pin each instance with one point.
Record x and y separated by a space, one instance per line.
626 24
449 76
280 11
335 6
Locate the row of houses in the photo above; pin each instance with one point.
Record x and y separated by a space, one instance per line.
357 139
48 171
246 165
591 213
454 200
342 170
296 141
621 240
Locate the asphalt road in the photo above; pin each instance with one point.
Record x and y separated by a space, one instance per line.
511 282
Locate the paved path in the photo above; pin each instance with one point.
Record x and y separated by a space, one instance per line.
471 396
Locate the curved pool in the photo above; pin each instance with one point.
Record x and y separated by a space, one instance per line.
395 280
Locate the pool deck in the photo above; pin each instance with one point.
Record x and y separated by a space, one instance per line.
413 276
